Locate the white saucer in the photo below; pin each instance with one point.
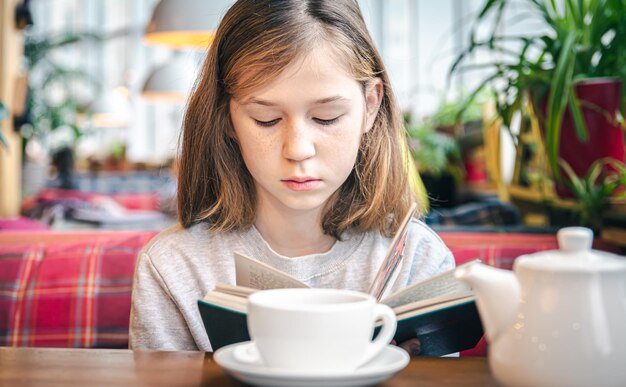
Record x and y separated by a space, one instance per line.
391 360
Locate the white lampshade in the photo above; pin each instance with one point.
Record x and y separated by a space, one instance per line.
111 109
172 81
185 23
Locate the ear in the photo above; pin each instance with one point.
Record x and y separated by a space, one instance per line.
373 99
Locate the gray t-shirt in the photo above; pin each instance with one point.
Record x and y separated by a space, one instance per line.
179 266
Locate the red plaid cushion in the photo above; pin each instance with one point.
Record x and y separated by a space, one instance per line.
68 294
77 294
499 250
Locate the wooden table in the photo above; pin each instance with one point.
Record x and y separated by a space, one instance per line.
105 367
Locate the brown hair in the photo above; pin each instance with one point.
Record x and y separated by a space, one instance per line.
254 43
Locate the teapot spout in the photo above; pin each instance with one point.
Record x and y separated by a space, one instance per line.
497 295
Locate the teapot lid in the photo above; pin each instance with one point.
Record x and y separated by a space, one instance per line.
574 254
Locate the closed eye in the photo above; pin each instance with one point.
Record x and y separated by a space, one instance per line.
267 123
326 122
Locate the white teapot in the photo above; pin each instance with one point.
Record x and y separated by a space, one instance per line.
559 319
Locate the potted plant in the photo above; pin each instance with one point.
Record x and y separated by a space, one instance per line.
595 189
58 103
464 121
571 75
438 159
52 101
456 119
59 95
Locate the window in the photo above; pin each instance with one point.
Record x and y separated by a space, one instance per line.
418 40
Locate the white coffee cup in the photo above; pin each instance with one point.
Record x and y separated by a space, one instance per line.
326 330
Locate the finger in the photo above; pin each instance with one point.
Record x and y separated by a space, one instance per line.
412 346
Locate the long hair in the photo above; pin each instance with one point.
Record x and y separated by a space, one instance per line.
254 43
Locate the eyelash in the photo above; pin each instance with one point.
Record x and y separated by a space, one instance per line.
326 122
267 124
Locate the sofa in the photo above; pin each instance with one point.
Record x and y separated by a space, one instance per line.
73 289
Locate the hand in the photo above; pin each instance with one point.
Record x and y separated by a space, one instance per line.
412 346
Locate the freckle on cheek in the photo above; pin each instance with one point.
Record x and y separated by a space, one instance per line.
266 145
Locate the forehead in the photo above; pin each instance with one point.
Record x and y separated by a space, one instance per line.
322 61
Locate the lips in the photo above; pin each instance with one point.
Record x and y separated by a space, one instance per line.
301 184
300 179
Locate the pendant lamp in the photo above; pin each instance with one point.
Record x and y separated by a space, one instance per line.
185 23
171 82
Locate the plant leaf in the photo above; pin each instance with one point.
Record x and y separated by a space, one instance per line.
577 115
487 8
560 87
575 182
594 171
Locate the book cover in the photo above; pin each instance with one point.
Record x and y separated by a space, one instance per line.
224 326
445 329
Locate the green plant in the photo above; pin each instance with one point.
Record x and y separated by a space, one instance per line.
463 109
4 113
451 113
52 101
434 152
594 190
59 94
583 39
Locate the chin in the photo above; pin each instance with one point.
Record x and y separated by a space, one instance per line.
304 203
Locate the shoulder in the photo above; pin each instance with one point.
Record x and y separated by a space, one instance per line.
177 233
184 259
177 244
422 234
427 250
176 236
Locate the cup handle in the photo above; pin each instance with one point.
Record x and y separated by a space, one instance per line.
385 335
247 353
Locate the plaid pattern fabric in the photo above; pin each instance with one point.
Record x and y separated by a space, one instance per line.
498 250
74 294
74 289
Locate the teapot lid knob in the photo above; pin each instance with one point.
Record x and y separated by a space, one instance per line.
575 239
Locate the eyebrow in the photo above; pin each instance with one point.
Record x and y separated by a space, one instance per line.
317 102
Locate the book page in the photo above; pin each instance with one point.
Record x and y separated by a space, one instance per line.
444 283
433 307
393 258
228 301
254 274
413 306
235 290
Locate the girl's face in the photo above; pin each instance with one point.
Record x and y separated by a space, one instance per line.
300 134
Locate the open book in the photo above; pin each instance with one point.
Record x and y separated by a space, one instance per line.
439 311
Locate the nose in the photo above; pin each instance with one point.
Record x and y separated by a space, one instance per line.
298 141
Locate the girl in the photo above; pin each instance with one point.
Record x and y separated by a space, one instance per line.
294 153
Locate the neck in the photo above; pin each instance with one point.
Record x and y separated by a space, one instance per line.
292 233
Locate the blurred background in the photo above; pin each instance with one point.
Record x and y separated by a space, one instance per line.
93 94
